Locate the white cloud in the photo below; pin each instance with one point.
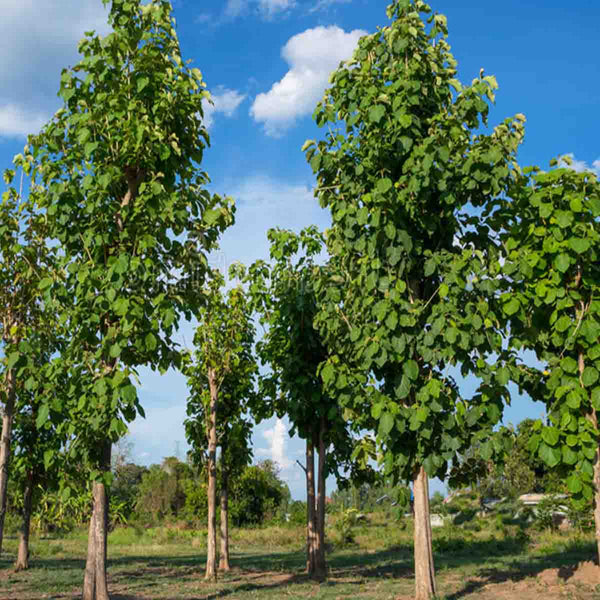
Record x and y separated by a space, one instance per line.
225 101
277 437
272 7
18 121
580 165
264 203
266 8
312 55
325 4
37 40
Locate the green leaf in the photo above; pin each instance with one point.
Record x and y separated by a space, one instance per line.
579 245
551 456
550 435
444 289
13 358
115 351
386 423
411 369
384 185
42 416
376 113
574 484
327 373
45 283
589 376
568 456
562 263
142 82
511 307
150 342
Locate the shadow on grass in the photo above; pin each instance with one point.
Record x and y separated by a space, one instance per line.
261 571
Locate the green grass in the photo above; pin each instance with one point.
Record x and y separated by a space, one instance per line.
168 563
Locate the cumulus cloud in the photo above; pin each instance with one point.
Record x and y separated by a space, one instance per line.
580 165
277 437
225 102
37 40
311 55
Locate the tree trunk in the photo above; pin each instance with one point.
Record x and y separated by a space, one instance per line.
95 586
211 550
310 508
22 563
7 421
597 497
424 569
224 558
320 561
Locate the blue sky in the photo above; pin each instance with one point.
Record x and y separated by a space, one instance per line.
266 63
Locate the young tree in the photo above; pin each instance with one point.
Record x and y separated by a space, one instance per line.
24 259
550 234
284 298
403 171
223 355
116 175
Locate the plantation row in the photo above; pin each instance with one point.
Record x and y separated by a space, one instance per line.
444 256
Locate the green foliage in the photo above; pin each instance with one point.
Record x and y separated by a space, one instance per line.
115 175
345 524
550 236
256 495
412 280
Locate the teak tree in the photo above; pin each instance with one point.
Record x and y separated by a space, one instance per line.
550 235
221 377
116 175
24 259
403 170
283 295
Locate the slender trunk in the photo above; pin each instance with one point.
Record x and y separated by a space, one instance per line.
211 550
7 421
424 569
320 561
95 586
224 558
310 508
89 579
597 496
22 563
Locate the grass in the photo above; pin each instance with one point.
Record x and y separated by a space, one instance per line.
484 562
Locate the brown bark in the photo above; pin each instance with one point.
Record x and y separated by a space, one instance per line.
22 563
211 550
597 497
310 508
320 561
7 421
95 586
224 558
424 569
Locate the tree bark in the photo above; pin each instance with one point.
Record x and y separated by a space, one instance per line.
95 586
320 561
424 569
310 508
211 550
224 558
7 422
597 497
22 563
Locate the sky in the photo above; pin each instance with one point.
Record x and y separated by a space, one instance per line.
266 63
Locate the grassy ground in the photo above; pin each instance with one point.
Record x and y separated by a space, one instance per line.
480 560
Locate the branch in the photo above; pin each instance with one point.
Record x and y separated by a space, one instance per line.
301 466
